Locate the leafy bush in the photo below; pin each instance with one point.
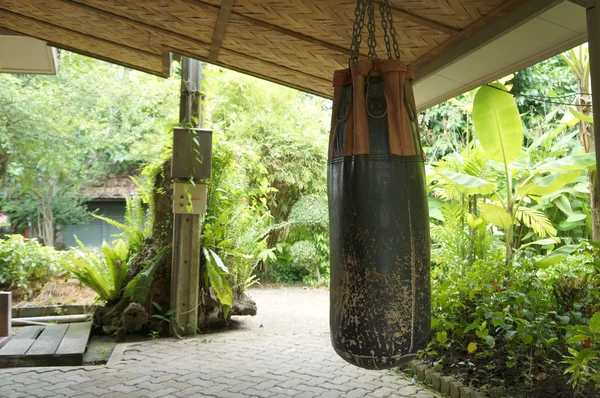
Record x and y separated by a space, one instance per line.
104 273
304 255
25 265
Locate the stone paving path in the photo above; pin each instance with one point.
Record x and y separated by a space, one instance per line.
242 363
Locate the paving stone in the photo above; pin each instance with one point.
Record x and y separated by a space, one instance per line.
357 393
331 394
227 365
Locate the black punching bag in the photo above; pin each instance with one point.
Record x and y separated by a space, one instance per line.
379 219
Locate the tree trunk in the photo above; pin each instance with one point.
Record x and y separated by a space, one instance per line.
586 137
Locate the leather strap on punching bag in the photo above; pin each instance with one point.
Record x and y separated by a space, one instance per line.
379 221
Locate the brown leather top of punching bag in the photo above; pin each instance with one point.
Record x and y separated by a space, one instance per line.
399 98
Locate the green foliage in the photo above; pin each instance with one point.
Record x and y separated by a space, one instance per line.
514 316
304 255
284 137
497 123
216 274
237 221
104 274
528 309
25 265
60 133
139 287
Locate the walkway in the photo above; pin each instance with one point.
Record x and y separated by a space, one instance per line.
282 352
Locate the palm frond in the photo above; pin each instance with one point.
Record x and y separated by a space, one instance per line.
536 220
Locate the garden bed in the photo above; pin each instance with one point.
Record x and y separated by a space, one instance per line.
504 382
57 291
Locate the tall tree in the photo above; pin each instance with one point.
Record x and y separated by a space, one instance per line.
59 133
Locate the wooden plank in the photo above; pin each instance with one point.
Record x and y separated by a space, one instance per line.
220 29
5 313
15 361
49 340
16 347
20 343
75 339
29 332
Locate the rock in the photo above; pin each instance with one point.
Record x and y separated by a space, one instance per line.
243 305
134 317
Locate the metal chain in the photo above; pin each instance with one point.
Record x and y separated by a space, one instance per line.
371 43
357 27
392 30
365 8
384 27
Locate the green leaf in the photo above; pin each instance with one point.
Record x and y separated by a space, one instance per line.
490 341
586 161
595 323
557 255
542 242
545 185
441 337
434 209
563 204
497 123
577 339
139 287
496 215
580 115
535 220
575 217
468 184
472 347
218 281
218 261
527 339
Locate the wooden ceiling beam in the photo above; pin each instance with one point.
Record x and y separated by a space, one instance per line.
399 12
275 28
506 17
52 42
71 31
268 26
220 29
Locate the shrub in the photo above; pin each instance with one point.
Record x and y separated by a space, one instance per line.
304 255
25 265
104 273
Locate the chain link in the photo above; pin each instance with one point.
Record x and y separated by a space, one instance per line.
357 27
384 27
371 42
391 33
365 8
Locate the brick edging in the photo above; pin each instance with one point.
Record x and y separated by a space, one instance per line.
446 385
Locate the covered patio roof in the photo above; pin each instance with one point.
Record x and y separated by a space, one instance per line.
453 45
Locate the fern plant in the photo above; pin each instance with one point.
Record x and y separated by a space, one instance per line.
137 226
103 272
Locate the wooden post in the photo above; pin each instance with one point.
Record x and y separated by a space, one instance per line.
5 313
593 30
185 270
